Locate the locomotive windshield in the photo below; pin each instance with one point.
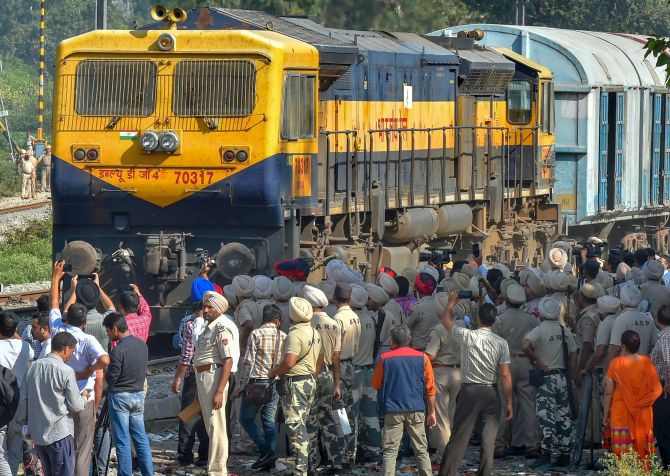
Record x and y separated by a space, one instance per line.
299 107
519 102
115 88
214 88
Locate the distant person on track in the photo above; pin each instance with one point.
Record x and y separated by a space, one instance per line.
27 168
45 160
125 379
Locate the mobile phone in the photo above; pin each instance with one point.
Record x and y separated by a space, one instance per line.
67 268
464 294
475 250
124 288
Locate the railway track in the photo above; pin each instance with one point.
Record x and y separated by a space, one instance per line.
24 206
21 299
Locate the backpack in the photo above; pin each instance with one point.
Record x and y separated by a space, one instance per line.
178 337
9 396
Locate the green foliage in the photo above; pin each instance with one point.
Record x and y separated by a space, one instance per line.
657 46
10 182
631 465
25 254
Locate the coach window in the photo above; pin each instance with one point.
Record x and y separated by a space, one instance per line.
519 102
298 107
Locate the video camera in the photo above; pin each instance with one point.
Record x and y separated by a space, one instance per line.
437 256
203 257
593 247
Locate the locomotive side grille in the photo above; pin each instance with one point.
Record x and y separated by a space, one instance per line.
486 81
115 88
214 88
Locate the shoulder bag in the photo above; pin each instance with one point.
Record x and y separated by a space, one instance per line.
260 393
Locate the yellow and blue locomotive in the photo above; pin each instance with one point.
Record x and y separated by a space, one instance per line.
256 138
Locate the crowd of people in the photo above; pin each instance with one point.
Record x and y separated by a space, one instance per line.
28 166
342 371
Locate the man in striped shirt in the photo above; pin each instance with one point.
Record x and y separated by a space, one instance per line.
137 312
484 358
263 347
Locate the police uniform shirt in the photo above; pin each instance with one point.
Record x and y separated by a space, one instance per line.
298 342
603 336
640 322
423 319
351 331
548 344
46 159
442 346
513 325
587 326
247 311
215 343
366 343
331 335
657 294
393 317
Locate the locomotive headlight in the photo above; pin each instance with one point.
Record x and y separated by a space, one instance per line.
169 141
242 156
149 141
165 42
79 154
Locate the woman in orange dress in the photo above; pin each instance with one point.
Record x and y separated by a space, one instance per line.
631 386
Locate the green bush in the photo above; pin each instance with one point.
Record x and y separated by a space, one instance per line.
630 465
25 254
10 182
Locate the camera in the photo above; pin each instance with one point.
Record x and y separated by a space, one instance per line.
437 256
464 294
204 258
67 267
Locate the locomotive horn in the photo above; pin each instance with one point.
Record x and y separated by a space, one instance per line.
177 15
476 35
159 12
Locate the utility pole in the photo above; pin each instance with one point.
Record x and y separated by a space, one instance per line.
100 14
520 12
39 142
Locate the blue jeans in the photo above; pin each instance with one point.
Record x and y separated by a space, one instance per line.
126 412
266 440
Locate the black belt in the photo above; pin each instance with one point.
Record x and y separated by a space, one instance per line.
365 366
259 380
347 360
494 385
555 372
299 378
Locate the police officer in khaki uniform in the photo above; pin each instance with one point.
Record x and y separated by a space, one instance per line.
587 323
535 290
320 416
45 160
216 352
282 291
654 290
444 353
393 313
302 358
246 314
424 316
351 332
513 325
364 301
544 346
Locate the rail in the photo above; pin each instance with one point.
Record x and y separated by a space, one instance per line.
16 299
24 207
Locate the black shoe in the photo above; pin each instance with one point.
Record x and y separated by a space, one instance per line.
516 450
184 460
562 460
201 463
543 460
265 462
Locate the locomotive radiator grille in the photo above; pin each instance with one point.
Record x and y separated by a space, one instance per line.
214 88
115 88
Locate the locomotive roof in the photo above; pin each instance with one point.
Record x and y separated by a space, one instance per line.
578 59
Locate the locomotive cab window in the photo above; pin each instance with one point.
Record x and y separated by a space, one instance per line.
548 119
519 102
214 88
115 88
298 107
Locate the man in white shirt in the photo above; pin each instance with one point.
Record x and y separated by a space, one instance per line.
88 357
41 332
15 355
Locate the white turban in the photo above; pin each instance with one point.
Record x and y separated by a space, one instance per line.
425 268
504 284
388 284
338 271
450 285
462 280
314 296
608 305
215 300
328 288
592 290
410 274
604 279
243 285
282 288
299 310
359 297
523 275
635 275
630 295
468 270
558 258
653 270
559 281
262 287
376 293
474 286
229 294
536 285
550 308
516 294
